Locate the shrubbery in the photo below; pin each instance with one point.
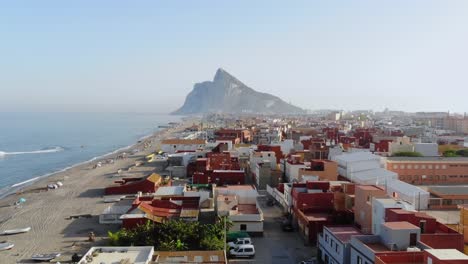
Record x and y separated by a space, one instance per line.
173 236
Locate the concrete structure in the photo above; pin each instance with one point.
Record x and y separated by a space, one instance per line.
134 185
400 144
333 243
396 236
240 204
379 206
363 205
209 257
136 255
415 196
178 145
325 170
429 170
427 149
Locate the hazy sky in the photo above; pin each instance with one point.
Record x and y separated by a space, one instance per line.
146 55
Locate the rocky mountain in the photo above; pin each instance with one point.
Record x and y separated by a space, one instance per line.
226 94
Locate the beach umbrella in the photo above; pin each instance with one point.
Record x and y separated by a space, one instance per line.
22 200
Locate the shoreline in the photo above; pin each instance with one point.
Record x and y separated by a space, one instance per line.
48 211
5 192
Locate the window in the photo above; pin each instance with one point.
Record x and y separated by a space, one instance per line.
416 167
395 166
410 166
336 248
248 250
359 260
423 166
402 166
243 227
444 167
326 238
331 243
429 166
436 167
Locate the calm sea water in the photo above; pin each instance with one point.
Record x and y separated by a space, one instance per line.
36 144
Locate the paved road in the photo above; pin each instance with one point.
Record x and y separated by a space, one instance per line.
276 246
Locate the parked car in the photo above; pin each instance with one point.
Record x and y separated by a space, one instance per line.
240 241
245 251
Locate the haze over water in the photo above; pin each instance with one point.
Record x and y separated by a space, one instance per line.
35 144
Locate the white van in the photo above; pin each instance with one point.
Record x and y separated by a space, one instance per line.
247 251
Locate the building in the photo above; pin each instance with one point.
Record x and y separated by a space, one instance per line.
208 257
181 145
325 170
448 197
136 255
161 209
428 256
363 205
240 204
333 244
134 185
429 170
395 236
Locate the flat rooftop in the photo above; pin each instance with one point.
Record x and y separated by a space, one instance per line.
135 255
449 190
447 254
400 225
344 233
217 256
247 209
430 159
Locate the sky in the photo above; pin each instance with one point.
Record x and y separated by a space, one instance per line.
145 56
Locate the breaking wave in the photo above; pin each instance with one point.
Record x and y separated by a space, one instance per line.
49 150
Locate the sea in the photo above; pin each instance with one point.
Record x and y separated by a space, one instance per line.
35 145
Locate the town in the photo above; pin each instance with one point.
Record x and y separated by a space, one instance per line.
329 187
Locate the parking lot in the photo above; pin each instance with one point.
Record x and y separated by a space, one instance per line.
277 246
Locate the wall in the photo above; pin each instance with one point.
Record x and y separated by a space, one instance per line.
363 206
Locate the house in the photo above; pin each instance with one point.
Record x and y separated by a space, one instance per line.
181 145
326 170
395 236
161 209
239 203
428 256
363 205
208 257
334 243
136 255
134 185
429 170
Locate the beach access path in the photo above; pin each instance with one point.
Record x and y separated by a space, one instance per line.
48 212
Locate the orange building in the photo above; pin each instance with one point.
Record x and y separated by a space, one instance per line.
363 205
430 170
324 169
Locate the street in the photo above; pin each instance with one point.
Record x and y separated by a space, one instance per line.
277 246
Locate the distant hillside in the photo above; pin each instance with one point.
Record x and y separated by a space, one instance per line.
226 94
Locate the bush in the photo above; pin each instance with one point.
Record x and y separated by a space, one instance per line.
173 235
407 154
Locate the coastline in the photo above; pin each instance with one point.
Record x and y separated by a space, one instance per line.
17 187
48 212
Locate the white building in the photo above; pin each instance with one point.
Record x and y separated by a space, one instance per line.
417 197
334 243
379 205
240 204
135 255
175 145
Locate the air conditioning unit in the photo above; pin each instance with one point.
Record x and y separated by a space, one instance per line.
413 249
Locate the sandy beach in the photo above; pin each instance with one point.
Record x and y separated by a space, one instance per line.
48 212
